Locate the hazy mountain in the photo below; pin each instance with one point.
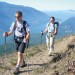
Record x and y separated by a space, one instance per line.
72 11
62 15
67 27
7 15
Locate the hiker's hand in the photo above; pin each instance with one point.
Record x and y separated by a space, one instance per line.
5 34
24 40
42 33
52 34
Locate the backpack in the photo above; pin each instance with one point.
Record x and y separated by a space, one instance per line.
57 27
54 26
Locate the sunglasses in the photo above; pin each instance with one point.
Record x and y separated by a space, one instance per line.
17 16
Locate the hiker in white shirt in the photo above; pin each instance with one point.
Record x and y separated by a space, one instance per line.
51 29
21 32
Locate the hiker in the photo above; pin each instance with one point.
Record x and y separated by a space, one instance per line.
51 29
21 31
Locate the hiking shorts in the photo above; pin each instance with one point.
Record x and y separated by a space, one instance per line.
20 46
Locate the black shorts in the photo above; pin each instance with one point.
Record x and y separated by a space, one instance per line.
20 46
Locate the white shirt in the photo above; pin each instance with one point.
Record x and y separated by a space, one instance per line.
18 27
50 27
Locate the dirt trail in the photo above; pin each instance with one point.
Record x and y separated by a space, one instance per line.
39 59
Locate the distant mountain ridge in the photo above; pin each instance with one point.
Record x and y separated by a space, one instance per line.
67 27
61 14
7 15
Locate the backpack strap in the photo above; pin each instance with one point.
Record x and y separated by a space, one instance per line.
56 23
24 26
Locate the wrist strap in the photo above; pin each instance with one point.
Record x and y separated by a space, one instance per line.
7 33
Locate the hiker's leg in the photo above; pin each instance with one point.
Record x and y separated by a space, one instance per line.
18 54
20 57
52 43
21 49
47 42
23 63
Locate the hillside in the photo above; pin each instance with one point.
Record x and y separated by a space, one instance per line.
39 63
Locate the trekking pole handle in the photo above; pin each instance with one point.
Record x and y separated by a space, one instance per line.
41 32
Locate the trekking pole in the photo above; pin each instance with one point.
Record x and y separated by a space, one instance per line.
27 63
41 36
27 45
4 60
5 48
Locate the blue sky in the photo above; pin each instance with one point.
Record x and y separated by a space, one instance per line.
45 4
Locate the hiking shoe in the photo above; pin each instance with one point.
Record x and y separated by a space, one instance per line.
16 70
50 53
48 49
23 65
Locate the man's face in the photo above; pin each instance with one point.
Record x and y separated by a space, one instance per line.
18 17
52 20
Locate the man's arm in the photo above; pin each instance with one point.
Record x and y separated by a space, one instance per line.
7 33
46 30
28 35
11 30
55 31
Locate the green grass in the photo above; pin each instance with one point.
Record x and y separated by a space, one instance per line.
34 50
